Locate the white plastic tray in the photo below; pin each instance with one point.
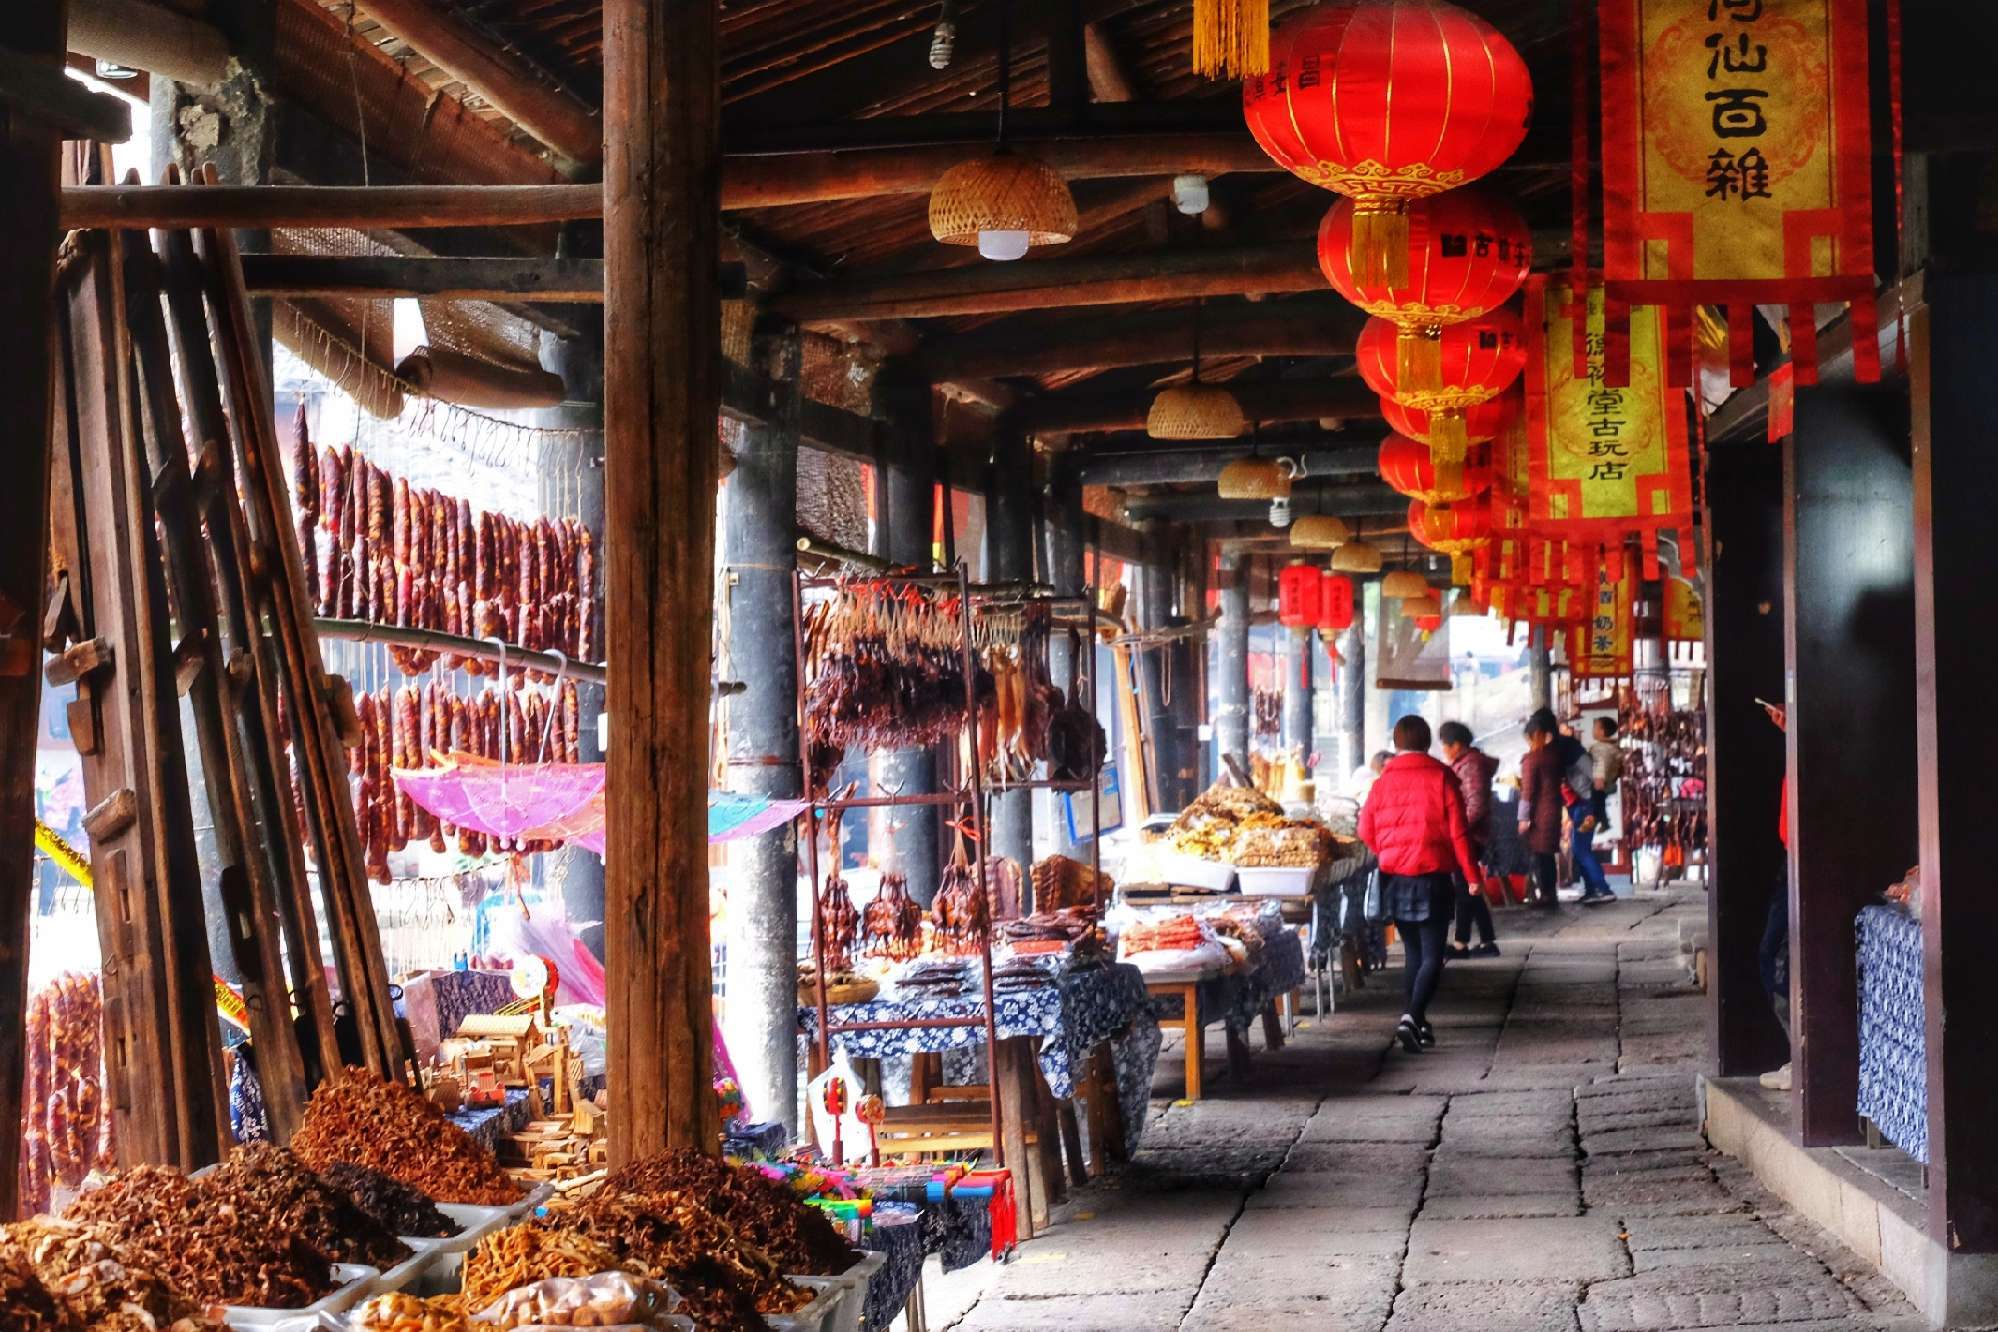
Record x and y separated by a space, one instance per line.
1276 880
1193 872
405 1273
478 1222
857 1279
821 1315
356 1284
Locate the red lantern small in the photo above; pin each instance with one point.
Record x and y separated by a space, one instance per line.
1481 359
1452 432
1407 466
1298 590
1386 102
1428 624
1467 255
1335 604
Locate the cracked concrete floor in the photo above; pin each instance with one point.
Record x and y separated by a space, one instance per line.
1541 1170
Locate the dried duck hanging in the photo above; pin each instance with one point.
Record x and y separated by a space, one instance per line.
962 914
839 922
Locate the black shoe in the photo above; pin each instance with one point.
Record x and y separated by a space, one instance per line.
1425 1033
1410 1038
1485 950
1456 950
1598 899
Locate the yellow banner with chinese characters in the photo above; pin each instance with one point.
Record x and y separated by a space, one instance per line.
1685 612
1601 646
1606 462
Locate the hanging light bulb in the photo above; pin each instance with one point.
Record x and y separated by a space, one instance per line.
1280 511
943 38
1190 194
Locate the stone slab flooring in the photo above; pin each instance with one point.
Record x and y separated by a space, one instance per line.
1541 1170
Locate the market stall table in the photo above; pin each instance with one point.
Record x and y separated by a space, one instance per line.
1237 996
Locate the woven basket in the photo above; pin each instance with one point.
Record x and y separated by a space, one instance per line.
1423 606
1357 557
845 992
1252 479
1004 192
1201 411
1320 531
1404 583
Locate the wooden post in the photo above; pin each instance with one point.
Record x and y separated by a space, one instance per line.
1849 638
1956 727
1231 716
662 319
1009 536
1743 589
28 155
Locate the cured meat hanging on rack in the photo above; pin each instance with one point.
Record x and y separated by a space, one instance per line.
416 558
412 726
884 669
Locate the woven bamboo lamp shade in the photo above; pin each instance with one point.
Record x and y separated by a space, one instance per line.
1357 557
1002 195
1195 411
1423 606
1320 531
1461 604
1403 583
1252 479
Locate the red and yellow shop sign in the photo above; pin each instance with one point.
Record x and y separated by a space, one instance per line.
1606 461
1736 171
1601 645
1685 612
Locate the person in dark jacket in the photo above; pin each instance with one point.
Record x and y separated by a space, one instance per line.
1474 769
1578 797
1540 806
1414 824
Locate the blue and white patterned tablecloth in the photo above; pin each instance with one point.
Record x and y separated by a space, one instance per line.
898 1233
489 1124
1237 1000
1893 1043
1080 1011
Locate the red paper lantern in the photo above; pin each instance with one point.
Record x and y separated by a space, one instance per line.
1387 102
1406 465
1480 359
1455 530
1467 254
1298 589
1335 603
1452 432
1428 624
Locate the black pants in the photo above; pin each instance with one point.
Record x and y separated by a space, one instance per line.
1545 879
1422 948
1472 907
1774 954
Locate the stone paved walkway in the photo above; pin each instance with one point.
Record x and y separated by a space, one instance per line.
1541 1170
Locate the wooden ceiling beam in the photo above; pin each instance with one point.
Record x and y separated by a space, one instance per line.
1300 400
1140 462
1109 80
1360 500
1041 284
1302 327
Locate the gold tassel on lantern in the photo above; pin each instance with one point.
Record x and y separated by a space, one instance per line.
1418 357
1231 38
1460 568
1449 438
1449 476
1378 251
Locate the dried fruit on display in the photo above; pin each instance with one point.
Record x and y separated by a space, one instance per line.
25 1303
726 1281
262 1178
769 1211
884 669
385 1126
397 1312
67 1131
213 1246
98 1286
415 558
390 1203
522 1255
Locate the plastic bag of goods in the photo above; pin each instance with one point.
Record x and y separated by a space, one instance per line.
609 1299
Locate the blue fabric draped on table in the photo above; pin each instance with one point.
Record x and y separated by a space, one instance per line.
1893 1044
1237 1000
1081 1010
898 1233
488 1124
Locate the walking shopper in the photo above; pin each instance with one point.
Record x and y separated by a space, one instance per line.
1540 805
1414 824
1578 777
1474 769
1606 755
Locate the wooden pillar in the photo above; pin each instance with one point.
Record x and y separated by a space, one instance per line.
1849 654
1743 587
1231 711
1956 493
760 522
1010 533
1352 698
27 266
662 355
1066 540
1297 700
904 520
1540 672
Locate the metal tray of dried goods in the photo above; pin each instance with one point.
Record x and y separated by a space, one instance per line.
356 1283
476 1223
821 1315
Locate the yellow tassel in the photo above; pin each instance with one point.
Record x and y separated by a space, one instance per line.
1460 569
1449 477
1418 361
1449 437
1231 38
1378 252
